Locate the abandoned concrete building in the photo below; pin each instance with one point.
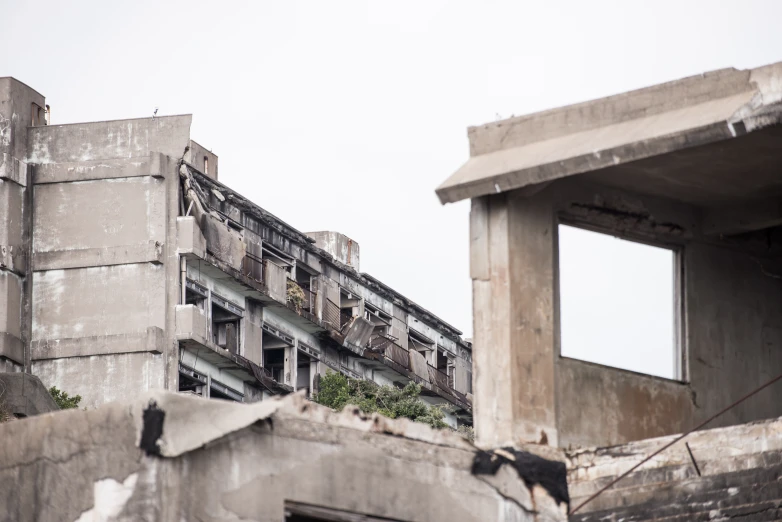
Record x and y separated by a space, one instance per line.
684 178
127 266
683 298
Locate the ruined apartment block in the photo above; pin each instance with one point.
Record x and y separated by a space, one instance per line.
127 266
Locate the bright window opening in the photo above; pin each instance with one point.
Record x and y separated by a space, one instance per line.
618 303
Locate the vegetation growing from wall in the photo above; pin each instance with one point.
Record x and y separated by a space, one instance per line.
63 400
337 390
295 295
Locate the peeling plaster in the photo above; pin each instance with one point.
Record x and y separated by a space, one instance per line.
110 498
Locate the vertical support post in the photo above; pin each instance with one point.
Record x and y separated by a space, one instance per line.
290 366
511 266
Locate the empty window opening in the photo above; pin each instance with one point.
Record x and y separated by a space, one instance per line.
349 305
196 294
380 320
226 320
422 345
446 363
206 165
303 377
617 303
274 356
193 382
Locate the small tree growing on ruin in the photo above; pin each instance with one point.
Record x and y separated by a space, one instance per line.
63 400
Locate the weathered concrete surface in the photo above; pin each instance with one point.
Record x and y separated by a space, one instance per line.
512 270
344 249
18 104
692 165
11 288
106 300
105 255
202 159
103 378
23 395
538 148
730 302
734 472
99 214
142 460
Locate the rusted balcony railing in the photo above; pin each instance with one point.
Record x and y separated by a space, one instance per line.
438 378
399 355
379 343
252 267
331 314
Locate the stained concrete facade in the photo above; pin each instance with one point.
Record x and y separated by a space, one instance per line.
170 457
694 166
126 266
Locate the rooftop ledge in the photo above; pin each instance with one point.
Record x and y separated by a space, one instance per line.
609 132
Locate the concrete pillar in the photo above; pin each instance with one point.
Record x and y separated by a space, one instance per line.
20 108
512 269
291 365
313 373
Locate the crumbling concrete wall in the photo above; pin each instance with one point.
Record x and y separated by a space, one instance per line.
104 255
17 102
731 313
174 457
733 472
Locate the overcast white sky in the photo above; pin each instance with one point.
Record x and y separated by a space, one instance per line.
346 115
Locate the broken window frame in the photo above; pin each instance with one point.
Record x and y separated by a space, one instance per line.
679 347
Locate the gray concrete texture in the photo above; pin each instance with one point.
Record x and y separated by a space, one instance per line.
24 395
715 201
733 473
142 460
731 306
344 249
104 255
617 130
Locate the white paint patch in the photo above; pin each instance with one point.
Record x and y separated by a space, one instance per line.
110 498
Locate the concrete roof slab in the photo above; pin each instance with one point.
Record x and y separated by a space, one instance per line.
613 131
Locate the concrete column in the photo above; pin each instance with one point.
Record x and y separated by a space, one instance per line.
291 365
512 267
313 373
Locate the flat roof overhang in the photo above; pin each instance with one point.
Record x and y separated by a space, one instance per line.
713 139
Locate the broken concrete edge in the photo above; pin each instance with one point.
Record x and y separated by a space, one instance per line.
533 469
165 421
716 450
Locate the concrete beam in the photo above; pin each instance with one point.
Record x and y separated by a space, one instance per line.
149 252
11 347
149 341
747 217
12 169
97 169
